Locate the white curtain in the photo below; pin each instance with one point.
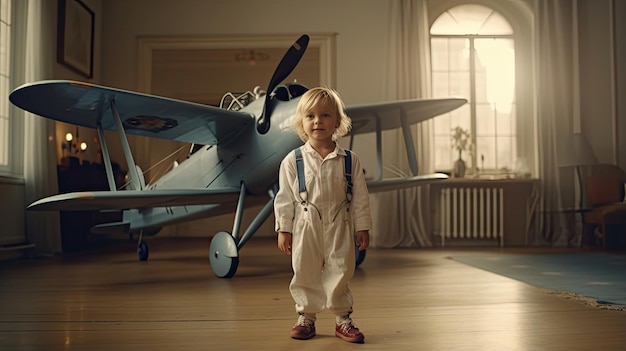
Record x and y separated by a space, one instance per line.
400 217
409 72
557 107
42 228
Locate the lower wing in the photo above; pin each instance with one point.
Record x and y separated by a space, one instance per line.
376 186
127 199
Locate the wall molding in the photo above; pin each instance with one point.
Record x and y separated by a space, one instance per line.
325 42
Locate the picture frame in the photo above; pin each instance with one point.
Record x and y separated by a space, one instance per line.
75 36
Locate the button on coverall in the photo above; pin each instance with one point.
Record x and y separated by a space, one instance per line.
323 225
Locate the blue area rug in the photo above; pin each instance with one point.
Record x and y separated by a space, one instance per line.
600 277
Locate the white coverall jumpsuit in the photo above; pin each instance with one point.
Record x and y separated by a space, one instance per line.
323 226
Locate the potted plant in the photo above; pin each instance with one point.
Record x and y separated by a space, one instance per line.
461 141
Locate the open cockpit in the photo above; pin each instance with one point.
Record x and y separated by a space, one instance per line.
284 92
236 101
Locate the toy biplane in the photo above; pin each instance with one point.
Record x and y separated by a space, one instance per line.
237 150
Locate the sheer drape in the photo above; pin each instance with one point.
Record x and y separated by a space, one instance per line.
399 215
557 91
42 228
409 71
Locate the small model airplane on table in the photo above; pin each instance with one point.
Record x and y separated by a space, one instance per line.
236 153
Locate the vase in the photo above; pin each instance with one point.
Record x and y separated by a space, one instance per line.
458 171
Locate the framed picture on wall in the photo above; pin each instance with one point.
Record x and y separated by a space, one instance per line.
75 36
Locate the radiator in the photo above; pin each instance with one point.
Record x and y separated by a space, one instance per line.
472 213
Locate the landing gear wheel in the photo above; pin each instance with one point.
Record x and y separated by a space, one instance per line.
359 256
142 251
223 255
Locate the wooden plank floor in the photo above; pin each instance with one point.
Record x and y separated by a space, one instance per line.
405 299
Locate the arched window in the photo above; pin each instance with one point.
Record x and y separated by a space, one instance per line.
473 56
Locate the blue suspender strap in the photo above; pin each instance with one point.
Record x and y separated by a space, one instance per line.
348 171
302 183
300 170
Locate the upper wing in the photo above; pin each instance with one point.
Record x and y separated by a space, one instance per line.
148 115
376 186
126 199
367 118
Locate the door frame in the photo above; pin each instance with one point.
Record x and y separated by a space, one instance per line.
325 42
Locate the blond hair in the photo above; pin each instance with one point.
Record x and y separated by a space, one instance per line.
321 95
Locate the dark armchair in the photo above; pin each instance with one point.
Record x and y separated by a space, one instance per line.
605 187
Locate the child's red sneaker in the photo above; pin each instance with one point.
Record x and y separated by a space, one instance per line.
304 328
347 331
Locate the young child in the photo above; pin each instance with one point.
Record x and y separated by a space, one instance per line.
319 227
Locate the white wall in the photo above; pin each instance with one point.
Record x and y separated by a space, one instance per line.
597 73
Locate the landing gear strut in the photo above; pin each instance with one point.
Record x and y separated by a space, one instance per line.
224 248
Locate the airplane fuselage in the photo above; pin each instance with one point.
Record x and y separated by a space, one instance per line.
248 158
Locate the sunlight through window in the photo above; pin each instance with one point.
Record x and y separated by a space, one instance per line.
473 56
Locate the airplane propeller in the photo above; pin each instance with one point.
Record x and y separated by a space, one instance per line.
287 64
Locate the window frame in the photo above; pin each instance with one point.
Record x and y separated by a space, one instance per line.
15 143
521 18
472 103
